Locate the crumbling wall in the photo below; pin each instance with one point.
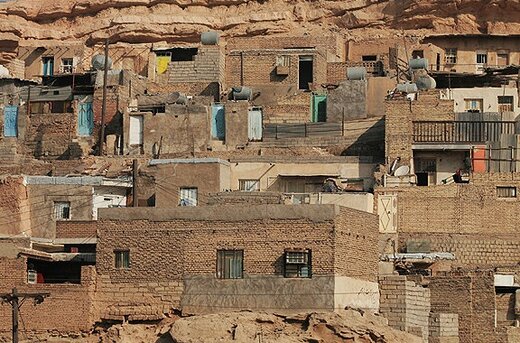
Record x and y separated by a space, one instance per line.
14 207
67 309
50 136
236 118
405 305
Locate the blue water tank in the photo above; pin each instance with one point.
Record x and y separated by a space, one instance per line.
418 63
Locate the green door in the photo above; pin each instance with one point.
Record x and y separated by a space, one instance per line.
319 108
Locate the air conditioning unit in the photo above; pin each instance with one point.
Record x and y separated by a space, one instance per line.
32 277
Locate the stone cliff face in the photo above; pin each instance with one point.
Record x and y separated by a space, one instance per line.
174 20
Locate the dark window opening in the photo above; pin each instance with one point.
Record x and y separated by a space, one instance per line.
418 54
80 248
230 264
305 72
422 178
122 259
183 54
505 103
369 58
51 107
154 109
297 263
53 272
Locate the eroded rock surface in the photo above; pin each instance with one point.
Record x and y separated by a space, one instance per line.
170 20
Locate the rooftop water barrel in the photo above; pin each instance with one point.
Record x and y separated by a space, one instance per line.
242 93
407 87
425 82
98 62
4 72
356 73
209 38
418 63
182 99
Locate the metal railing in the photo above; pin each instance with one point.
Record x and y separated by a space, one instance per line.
461 131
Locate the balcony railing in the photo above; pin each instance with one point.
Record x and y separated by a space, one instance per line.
461 131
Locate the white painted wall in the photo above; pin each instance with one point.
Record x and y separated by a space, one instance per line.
489 95
105 197
355 293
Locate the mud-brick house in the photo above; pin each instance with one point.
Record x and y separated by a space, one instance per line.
222 258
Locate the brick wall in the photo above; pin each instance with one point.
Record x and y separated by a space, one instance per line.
75 229
169 250
472 250
15 212
471 296
356 253
49 136
336 72
254 198
405 305
400 113
67 309
444 328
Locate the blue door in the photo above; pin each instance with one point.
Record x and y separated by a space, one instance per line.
10 121
218 124
85 119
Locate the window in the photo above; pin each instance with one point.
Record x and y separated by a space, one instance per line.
502 58
505 103
418 54
369 58
230 264
482 57
474 105
48 65
62 210
249 185
506 192
283 60
67 65
297 263
305 72
188 196
451 56
122 259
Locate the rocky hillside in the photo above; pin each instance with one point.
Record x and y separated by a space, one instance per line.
156 20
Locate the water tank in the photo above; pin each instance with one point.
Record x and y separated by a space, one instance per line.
182 99
407 87
418 63
4 72
241 93
356 73
424 82
98 62
209 38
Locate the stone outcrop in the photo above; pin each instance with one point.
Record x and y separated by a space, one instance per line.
183 20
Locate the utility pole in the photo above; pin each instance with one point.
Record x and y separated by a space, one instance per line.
101 151
16 300
134 183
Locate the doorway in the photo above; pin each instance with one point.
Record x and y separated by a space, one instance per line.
305 72
319 108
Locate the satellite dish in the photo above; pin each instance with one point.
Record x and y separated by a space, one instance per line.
402 171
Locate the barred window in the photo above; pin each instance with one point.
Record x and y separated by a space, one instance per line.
249 185
230 264
297 263
62 210
451 56
122 259
506 192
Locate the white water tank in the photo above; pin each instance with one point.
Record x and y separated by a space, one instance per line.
98 62
4 72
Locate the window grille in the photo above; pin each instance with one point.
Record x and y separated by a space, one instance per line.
230 264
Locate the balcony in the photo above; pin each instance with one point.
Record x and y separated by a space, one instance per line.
461 131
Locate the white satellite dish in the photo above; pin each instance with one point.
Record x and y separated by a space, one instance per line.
402 171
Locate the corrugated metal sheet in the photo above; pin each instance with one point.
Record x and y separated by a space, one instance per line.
42 93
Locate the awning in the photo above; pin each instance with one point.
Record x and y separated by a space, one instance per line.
40 94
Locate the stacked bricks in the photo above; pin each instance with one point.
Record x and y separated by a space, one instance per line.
405 305
49 135
206 67
444 328
75 229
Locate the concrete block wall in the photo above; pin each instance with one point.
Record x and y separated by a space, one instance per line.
206 67
16 68
405 305
444 328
